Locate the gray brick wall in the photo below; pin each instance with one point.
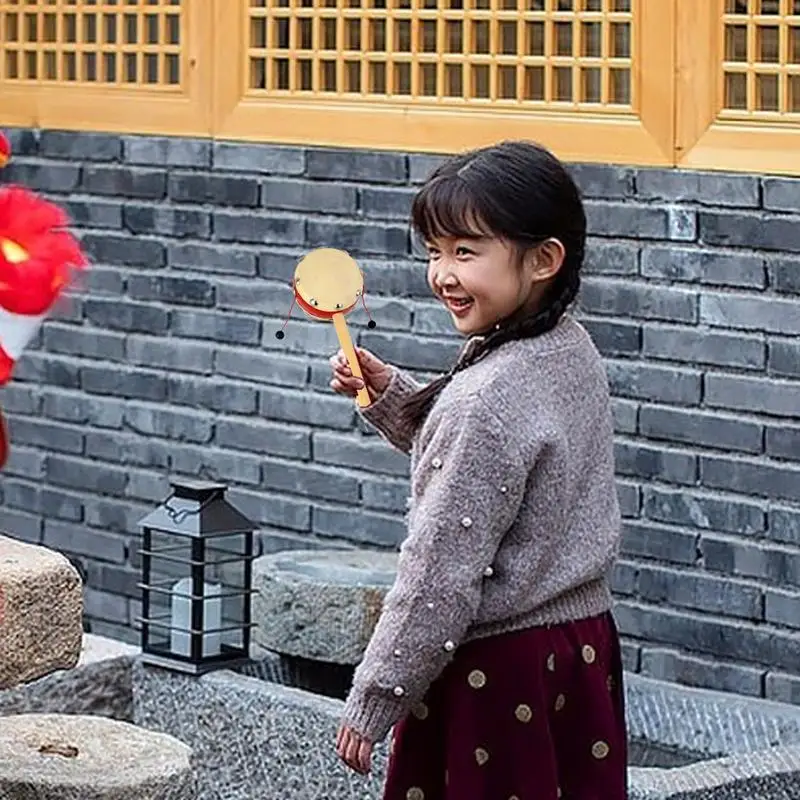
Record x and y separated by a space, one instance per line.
165 362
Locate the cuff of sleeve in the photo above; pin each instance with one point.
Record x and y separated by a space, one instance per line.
384 412
372 716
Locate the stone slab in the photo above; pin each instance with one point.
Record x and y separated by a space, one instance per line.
102 688
280 739
253 740
772 774
100 684
320 605
96 648
41 610
714 723
73 757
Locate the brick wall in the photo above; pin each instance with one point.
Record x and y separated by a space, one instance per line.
167 363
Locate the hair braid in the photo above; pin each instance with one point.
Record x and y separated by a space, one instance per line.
564 292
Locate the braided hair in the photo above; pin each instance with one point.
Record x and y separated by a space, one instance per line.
522 193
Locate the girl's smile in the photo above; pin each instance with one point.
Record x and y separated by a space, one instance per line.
458 306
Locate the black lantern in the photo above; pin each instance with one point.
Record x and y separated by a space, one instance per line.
197 556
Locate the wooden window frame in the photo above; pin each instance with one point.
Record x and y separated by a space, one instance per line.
136 108
642 137
706 138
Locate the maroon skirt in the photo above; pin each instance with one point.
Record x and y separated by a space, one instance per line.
533 715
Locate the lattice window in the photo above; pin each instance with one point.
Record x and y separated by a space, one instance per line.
761 69
105 42
542 52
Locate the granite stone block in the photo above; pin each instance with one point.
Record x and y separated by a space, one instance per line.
320 605
40 612
75 757
102 688
253 740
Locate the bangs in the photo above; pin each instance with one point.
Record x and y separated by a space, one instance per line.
447 207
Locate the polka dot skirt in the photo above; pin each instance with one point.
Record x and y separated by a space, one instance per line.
532 715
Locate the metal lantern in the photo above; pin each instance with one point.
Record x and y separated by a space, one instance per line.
197 556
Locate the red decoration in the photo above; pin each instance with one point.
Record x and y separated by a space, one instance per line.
37 259
37 253
5 150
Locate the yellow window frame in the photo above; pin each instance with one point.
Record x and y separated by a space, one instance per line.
707 135
643 136
117 106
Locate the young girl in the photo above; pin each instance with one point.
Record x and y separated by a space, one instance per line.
496 658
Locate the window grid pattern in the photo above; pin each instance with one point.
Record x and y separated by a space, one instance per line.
575 54
761 58
96 42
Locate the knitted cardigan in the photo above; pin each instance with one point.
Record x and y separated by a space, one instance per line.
514 520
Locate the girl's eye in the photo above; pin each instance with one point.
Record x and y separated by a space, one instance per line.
464 251
433 253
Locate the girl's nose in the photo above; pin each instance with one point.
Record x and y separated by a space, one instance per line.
443 277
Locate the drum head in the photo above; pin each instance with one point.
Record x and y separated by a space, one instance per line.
327 282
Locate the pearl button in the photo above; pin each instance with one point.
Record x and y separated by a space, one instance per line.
437 463
449 646
504 489
429 606
466 522
398 652
399 691
488 572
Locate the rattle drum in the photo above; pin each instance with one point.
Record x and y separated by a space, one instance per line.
327 285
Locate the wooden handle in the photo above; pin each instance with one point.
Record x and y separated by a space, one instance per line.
339 322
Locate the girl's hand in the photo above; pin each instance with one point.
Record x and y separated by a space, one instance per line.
354 750
376 374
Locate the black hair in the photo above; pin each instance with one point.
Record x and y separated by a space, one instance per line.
517 191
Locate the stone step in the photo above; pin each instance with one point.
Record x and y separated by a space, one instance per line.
100 648
320 605
76 757
41 610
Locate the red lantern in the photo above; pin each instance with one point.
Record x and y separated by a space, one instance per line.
5 150
37 259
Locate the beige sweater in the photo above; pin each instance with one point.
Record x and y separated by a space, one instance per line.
514 520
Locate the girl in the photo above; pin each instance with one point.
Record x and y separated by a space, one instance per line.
496 658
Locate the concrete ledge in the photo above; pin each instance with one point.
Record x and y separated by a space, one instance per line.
100 689
251 738
100 685
764 775
100 648
716 724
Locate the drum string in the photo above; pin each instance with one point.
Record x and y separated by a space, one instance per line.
371 323
280 334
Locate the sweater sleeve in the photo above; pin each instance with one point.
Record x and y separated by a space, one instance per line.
470 484
383 413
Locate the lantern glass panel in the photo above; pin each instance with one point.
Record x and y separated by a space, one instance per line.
227 567
170 563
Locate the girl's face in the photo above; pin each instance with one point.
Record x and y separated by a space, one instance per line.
482 281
